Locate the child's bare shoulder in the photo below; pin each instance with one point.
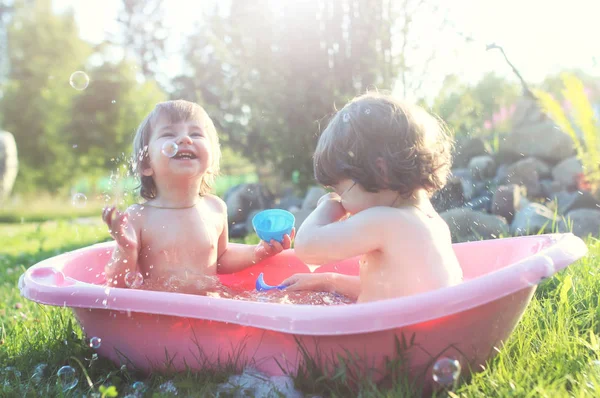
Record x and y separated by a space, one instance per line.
137 214
216 203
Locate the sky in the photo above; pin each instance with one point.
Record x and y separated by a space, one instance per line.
541 37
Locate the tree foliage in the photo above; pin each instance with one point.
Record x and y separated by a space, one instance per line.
273 73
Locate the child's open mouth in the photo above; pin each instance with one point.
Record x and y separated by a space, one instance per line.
182 155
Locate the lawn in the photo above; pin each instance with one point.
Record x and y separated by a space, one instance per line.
554 351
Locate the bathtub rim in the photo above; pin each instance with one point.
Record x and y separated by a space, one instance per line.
313 320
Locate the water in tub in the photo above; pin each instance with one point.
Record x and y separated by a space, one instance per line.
195 283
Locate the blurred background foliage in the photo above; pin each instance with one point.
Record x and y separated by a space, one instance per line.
270 86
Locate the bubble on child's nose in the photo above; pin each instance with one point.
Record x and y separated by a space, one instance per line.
79 200
446 371
67 378
95 342
79 80
134 280
169 149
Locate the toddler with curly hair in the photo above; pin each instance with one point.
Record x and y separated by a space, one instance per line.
383 159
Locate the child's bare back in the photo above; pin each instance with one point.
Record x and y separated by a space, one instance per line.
415 258
382 159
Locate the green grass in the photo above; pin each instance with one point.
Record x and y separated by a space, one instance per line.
550 354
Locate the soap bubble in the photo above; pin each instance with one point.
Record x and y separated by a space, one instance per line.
79 200
168 388
134 280
38 373
95 342
67 377
79 80
446 371
11 374
170 149
139 388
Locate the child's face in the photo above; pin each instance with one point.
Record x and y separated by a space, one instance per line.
353 197
194 154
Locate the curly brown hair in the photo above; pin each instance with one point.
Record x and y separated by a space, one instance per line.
177 111
414 147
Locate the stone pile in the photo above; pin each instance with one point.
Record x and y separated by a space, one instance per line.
532 184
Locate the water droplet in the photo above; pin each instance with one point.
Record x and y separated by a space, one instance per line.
446 371
79 200
134 280
38 373
95 342
67 377
346 117
169 149
104 302
113 102
79 80
368 111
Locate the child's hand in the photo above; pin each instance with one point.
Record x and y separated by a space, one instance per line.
329 196
120 228
268 249
308 281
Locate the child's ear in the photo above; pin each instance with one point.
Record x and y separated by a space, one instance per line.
383 169
147 171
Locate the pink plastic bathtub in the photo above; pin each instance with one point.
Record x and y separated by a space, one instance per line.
152 330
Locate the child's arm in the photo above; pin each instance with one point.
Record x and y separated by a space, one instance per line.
346 285
234 257
125 256
325 236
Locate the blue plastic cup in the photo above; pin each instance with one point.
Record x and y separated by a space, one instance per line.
273 224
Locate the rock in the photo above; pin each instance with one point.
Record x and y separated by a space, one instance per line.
550 188
585 222
481 203
543 140
524 172
300 215
450 196
312 198
482 167
568 201
566 172
468 148
468 225
9 164
536 218
238 230
242 200
505 201
527 112
288 203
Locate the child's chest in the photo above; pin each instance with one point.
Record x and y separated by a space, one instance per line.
181 240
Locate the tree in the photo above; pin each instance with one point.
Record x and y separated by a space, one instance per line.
272 73
105 116
466 109
143 33
44 51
